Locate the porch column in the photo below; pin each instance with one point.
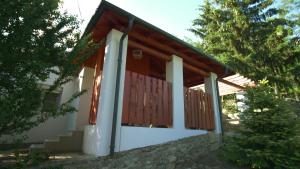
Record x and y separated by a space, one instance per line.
86 77
174 75
107 93
72 117
211 88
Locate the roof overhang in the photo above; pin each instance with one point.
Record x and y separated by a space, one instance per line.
231 84
109 16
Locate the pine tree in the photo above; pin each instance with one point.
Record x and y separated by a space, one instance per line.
255 37
270 133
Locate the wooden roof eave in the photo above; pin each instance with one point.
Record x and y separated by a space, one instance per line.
200 54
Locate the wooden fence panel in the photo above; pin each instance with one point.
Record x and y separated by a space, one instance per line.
147 101
140 99
170 105
198 110
126 96
148 108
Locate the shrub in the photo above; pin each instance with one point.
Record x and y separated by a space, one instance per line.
270 137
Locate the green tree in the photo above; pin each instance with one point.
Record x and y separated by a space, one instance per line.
255 37
270 133
36 39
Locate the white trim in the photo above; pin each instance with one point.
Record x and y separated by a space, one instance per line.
136 137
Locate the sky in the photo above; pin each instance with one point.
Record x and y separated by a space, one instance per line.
172 16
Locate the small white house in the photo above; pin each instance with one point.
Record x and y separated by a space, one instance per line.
138 90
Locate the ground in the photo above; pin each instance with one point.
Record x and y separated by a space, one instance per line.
197 152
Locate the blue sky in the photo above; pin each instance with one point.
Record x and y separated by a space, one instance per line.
173 16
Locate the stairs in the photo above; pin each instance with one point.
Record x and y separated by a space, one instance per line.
71 142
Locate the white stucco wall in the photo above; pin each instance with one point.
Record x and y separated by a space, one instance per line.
86 79
68 90
53 127
76 120
47 130
136 137
91 141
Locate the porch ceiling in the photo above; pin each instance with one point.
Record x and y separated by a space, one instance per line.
155 42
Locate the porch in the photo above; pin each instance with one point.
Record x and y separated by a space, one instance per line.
139 86
155 97
147 102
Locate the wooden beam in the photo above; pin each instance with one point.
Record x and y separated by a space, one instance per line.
168 49
197 79
234 79
231 84
156 74
149 50
196 70
166 57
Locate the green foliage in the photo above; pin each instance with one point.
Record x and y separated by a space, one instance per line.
229 104
36 39
229 113
259 39
270 136
55 167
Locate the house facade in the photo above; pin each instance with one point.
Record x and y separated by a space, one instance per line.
139 84
139 87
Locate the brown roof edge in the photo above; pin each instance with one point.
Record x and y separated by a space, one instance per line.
104 5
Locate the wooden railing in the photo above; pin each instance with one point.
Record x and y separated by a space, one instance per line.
198 110
147 101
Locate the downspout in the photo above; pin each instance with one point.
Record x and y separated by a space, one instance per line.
117 88
220 107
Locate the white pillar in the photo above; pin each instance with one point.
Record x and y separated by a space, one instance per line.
97 139
73 86
86 77
211 88
174 75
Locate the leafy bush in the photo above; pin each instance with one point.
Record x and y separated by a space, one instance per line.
229 104
270 137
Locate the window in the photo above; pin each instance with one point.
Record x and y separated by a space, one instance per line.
51 102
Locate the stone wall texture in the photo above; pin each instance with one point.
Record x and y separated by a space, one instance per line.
189 153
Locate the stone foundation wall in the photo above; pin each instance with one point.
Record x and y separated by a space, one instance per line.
184 153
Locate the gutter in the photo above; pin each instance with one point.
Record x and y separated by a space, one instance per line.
117 89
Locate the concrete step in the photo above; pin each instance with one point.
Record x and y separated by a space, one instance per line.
70 142
67 134
52 140
37 146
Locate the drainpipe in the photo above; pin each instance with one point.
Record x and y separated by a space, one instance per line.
117 89
220 108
